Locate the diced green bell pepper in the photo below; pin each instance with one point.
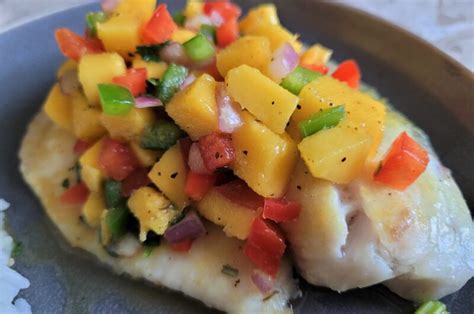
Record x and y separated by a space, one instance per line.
92 18
324 119
298 79
172 79
161 135
112 193
115 100
209 31
116 219
199 48
432 307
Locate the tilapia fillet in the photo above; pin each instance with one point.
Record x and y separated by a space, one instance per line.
419 243
46 155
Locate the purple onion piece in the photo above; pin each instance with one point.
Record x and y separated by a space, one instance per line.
190 227
147 102
69 82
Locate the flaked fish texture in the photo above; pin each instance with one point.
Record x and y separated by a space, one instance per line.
419 242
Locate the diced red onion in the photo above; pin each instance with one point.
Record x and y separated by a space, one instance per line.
174 53
195 22
188 81
69 82
109 5
229 117
284 61
216 18
263 281
195 161
190 227
147 102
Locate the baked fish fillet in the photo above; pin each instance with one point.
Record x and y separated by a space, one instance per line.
46 155
419 243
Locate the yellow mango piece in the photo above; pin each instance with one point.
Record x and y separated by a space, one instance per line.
262 14
263 159
90 168
143 9
336 154
182 35
362 110
120 34
86 119
93 208
316 54
194 109
257 54
278 35
99 68
130 126
235 219
262 97
193 8
152 209
66 66
58 107
146 157
153 69
169 175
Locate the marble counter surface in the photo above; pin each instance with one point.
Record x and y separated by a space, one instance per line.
447 24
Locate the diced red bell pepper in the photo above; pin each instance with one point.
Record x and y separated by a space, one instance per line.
183 246
225 9
197 185
80 147
404 163
227 33
185 146
321 68
265 246
160 27
348 71
134 181
74 46
117 159
239 192
134 80
217 150
280 210
75 195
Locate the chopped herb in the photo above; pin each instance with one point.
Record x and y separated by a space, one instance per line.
65 184
17 248
151 52
230 271
268 297
179 18
77 170
147 249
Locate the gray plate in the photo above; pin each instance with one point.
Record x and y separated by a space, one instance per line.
429 87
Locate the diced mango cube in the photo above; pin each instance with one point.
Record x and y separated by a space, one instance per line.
262 97
93 208
58 107
86 119
152 210
235 219
277 34
120 34
317 54
257 54
262 14
143 9
153 69
146 157
362 110
99 68
193 8
182 35
169 175
336 154
66 66
90 168
194 109
130 126
263 159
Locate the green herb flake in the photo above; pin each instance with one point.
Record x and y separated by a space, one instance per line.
151 52
65 184
92 18
17 248
147 250
179 18
229 270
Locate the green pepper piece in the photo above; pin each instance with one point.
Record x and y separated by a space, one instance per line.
199 48
172 79
92 18
161 135
324 119
432 307
297 79
113 193
115 100
209 31
116 220
179 18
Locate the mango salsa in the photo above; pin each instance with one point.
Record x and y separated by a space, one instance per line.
90 170
262 97
262 14
58 107
86 119
263 159
130 126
